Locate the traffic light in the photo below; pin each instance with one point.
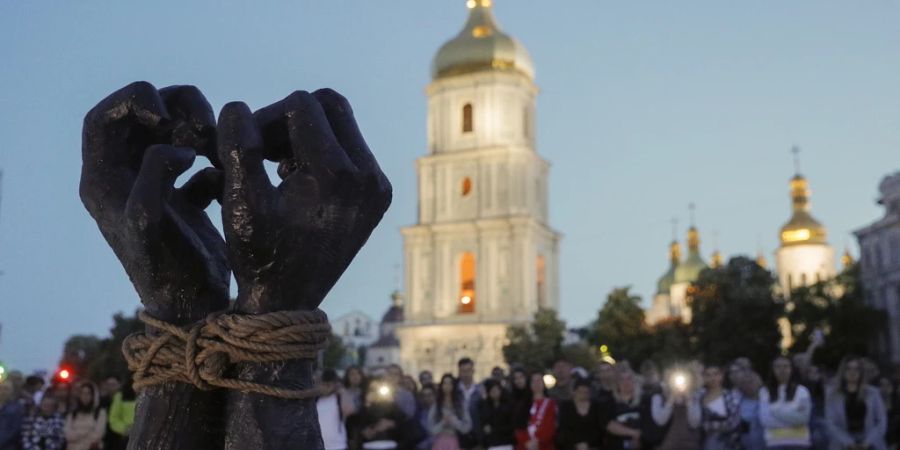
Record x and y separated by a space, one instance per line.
64 375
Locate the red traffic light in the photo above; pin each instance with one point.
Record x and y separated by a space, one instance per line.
64 375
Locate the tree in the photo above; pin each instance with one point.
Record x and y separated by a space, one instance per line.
837 307
97 358
735 313
335 354
536 345
621 327
79 351
580 354
668 342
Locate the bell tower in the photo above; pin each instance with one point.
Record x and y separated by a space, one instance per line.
482 255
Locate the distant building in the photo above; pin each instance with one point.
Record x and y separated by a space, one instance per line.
670 300
803 258
879 260
386 350
356 329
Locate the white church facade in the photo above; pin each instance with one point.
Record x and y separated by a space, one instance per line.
482 255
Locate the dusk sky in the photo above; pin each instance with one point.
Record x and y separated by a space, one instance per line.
644 107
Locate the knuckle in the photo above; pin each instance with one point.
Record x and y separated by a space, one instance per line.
335 99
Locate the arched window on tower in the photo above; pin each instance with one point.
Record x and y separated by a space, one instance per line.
467 283
541 278
467 118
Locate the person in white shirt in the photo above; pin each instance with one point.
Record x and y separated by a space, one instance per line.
332 408
784 408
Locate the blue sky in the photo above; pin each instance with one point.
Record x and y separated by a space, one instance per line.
644 107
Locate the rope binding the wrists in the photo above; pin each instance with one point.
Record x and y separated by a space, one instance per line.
202 353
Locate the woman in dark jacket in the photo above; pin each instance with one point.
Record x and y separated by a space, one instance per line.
521 399
580 420
496 412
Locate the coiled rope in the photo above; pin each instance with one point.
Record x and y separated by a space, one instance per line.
202 353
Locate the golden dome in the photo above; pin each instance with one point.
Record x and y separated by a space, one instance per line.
847 258
690 268
761 260
716 260
481 45
802 228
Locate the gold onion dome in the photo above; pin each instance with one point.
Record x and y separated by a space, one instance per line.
802 228
689 270
716 260
761 260
481 46
668 279
847 258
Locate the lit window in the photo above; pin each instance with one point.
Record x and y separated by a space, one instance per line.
466 186
467 283
467 118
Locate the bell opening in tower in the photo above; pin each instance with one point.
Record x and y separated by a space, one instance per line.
467 283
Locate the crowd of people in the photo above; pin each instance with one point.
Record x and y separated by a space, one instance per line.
614 407
795 405
64 415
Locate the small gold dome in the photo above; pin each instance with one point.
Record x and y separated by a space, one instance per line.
716 260
480 46
761 260
847 259
690 268
802 228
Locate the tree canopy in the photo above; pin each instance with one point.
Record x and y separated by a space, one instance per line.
837 307
620 326
735 313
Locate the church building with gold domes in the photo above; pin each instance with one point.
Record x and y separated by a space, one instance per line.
670 300
482 255
803 258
